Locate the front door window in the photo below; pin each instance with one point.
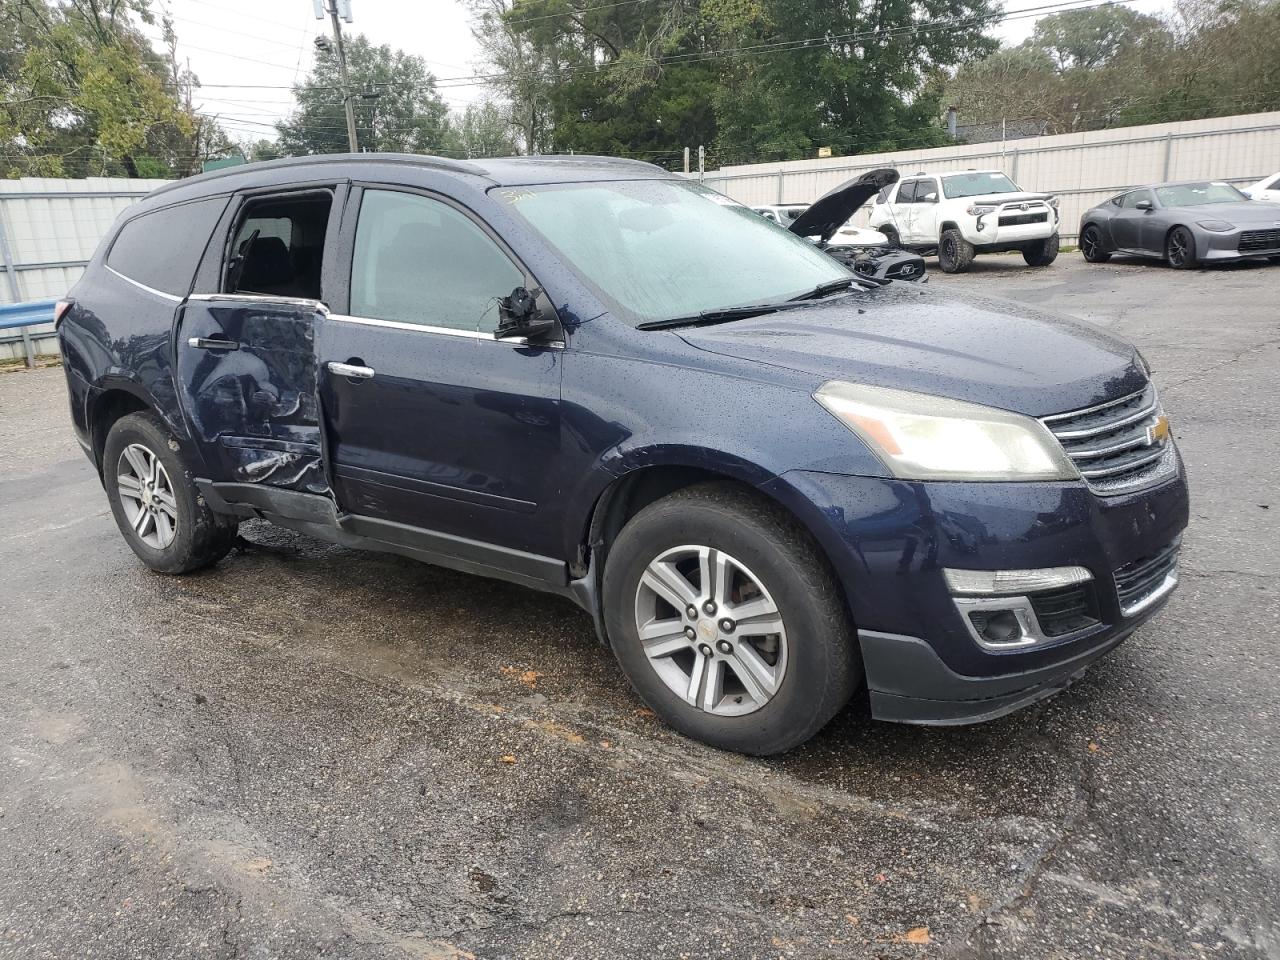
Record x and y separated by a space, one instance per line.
421 261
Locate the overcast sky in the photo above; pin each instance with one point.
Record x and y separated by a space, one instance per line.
268 44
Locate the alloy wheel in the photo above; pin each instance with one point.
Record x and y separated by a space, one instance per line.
1177 248
147 496
711 630
1090 243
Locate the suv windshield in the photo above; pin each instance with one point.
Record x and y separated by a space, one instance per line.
976 185
1198 194
660 249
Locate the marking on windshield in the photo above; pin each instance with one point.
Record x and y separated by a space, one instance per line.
515 196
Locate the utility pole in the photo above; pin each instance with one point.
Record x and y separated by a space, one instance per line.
334 8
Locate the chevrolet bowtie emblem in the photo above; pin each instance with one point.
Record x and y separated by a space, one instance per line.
1158 432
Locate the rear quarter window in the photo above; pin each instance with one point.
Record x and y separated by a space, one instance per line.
161 249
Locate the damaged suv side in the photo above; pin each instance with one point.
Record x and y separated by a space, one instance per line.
771 483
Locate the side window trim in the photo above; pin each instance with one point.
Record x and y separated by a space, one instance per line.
354 201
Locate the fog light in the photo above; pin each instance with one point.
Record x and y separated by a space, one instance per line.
997 626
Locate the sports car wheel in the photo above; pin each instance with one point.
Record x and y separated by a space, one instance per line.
1180 249
1092 246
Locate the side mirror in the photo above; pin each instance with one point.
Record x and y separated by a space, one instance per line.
1143 205
520 316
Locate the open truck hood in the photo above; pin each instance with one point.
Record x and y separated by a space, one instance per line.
833 209
980 349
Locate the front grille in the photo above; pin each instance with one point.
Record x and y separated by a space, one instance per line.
1014 220
1258 241
1118 445
1066 610
1139 582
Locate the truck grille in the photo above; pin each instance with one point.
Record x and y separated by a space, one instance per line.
1017 219
1118 445
1143 581
1257 241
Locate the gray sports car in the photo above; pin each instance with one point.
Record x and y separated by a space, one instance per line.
1185 224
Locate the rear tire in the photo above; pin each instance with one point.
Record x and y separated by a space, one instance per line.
757 693
1092 247
155 502
955 253
1041 253
1180 249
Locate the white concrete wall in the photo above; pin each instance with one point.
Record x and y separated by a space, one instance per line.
52 228
1083 169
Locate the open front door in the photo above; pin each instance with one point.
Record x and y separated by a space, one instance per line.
246 372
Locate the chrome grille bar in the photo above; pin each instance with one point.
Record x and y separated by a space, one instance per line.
1115 445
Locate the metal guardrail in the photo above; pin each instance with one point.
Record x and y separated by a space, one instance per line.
20 316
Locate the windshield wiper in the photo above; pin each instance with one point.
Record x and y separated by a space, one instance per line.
828 288
714 316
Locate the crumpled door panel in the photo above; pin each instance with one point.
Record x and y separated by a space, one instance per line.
253 405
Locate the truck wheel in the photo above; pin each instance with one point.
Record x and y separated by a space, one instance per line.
955 253
891 235
156 505
1180 249
1092 247
728 622
1041 253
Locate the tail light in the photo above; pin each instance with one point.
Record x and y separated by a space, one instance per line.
59 310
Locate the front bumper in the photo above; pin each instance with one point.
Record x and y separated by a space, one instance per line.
1219 247
890 540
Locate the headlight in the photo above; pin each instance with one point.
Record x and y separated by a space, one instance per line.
980 210
922 437
1217 226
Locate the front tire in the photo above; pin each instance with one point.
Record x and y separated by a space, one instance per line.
1180 249
728 622
955 253
1092 246
155 502
1041 253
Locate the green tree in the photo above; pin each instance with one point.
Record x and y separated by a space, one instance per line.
753 79
396 104
84 92
1109 66
482 130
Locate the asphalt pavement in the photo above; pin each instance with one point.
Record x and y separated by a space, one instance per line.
314 752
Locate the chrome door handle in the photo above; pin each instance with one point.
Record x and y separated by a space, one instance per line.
350 370
207 343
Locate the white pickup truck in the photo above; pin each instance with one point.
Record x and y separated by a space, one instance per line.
963 214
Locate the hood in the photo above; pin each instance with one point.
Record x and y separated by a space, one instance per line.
834 208
967 347
1241 212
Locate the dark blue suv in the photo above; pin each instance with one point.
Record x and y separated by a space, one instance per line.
770 482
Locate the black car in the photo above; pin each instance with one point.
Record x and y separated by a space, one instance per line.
771 483
825 216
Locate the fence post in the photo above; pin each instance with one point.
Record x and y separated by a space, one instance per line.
1014 176
1168 154
6 258
780 176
